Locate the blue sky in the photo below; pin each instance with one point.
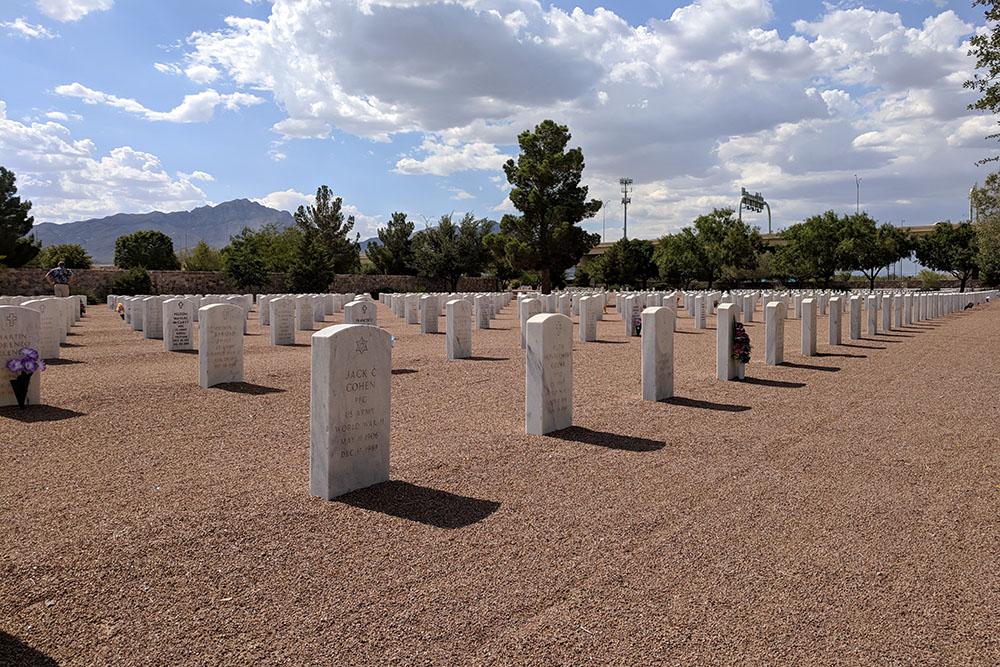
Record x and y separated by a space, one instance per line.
111 106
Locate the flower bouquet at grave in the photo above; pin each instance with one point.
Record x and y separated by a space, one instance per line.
24 364
741 344
120 310
637 322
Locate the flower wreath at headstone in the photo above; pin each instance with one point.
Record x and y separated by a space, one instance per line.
741 344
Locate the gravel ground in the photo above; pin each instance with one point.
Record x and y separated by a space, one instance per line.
840 509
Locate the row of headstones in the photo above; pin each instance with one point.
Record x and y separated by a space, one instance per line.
222 323
424 309
351 367
39 323
57 315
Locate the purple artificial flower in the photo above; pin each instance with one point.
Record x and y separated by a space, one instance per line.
41 365
29 365
14 365
29 352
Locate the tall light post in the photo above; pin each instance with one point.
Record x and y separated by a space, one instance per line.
625 182
753 202
857 187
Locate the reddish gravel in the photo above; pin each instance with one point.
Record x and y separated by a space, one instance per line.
840 509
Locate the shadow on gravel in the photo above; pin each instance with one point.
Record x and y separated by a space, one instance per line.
488 358
19 653
421 504
689 333
605 439
185 351
61 362
609 342
811 367
841 354
402 371
38 413
773 383
704 405
863 347
247 388
70 345
894 335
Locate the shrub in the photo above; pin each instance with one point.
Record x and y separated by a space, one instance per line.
135 281
929 280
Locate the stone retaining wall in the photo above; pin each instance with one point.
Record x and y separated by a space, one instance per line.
344 283
30 282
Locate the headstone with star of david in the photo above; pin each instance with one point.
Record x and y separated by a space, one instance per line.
429 313
220 344
19 327
303 312
349 409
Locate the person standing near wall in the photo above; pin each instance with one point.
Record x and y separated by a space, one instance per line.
60 278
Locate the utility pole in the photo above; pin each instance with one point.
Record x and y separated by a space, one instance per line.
626 200
857 185
604 225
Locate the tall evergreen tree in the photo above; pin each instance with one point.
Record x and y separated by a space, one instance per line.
16 247
394 257
547 192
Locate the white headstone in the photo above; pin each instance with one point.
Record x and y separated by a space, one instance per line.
657 353
303 313
349 409
548 404
855 317
726 367
220 344
152 317
360 312
178 325
529 308
808 312
19 327
282 320
51 326
429 313
590 306
458 323
835 328
774 339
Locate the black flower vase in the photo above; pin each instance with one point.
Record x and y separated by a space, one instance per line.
20 387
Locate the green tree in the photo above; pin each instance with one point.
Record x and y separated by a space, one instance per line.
277 247
869 247
149 249
675 256
547 192
242 264
498 267
326 218
16 248
72 253
394 256
202 257
134 281
986 200
449 251
985 47
952 249
720 243
813 249
312 271
626 262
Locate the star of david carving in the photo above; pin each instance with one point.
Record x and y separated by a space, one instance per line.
362 345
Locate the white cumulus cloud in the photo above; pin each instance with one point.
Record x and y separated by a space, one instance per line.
21 28
195 108
72 10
